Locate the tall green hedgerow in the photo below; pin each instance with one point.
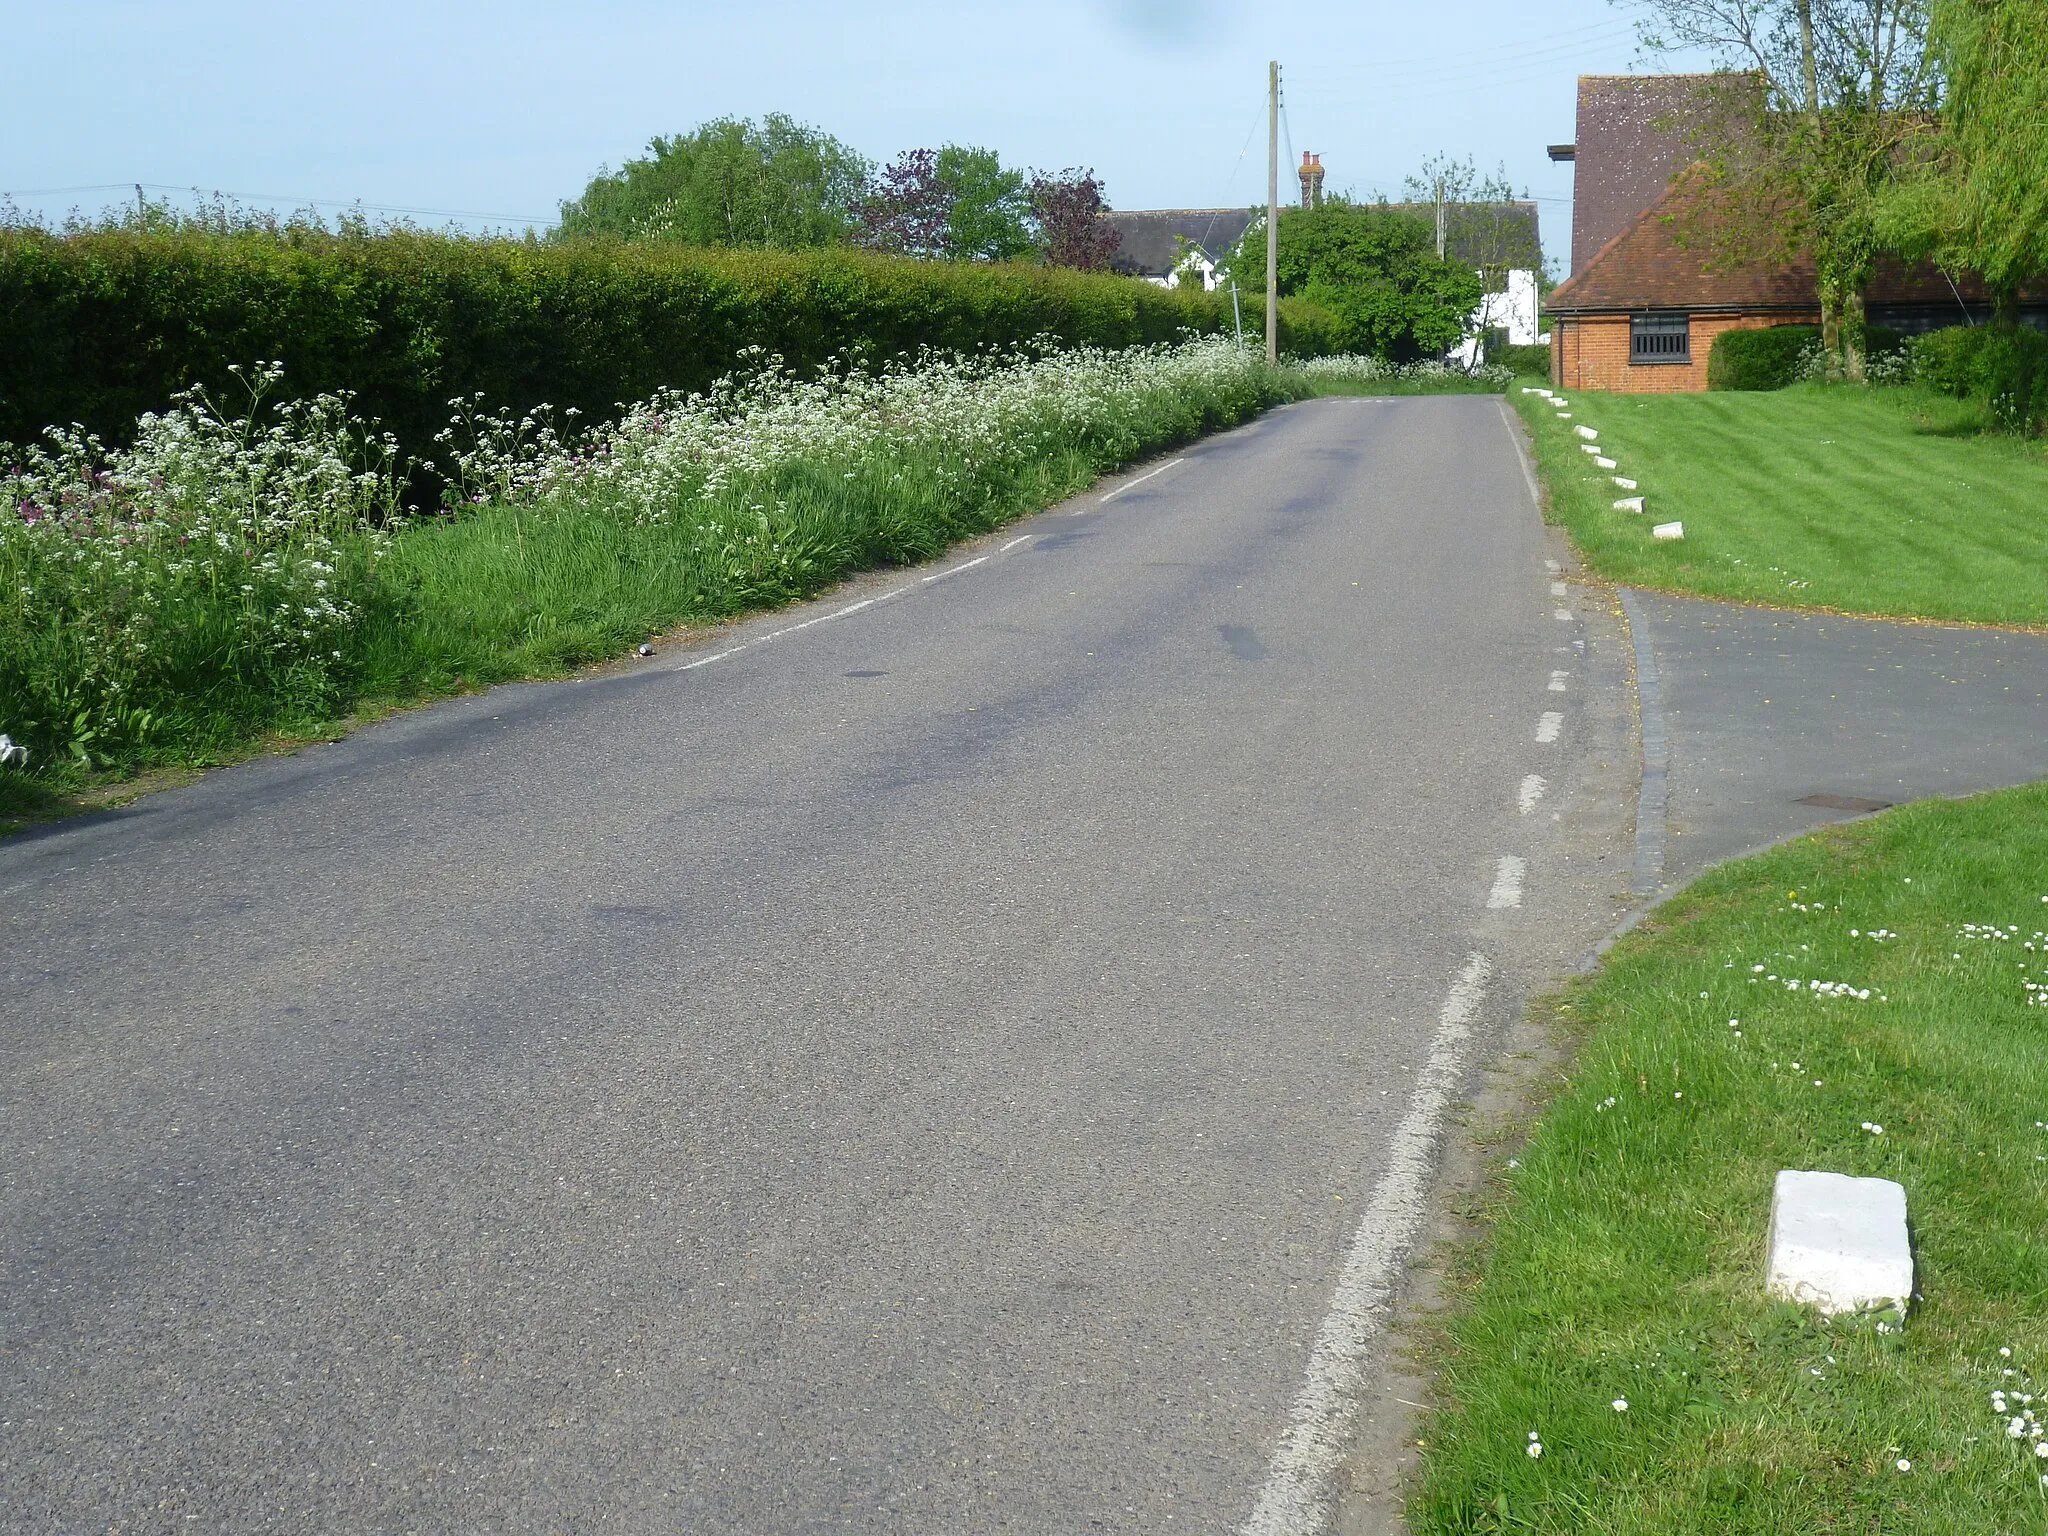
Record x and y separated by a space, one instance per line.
2004 366
99 327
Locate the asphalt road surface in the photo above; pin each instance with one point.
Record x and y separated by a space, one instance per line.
1781 722
968 1063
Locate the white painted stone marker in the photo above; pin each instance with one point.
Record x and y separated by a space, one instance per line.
1630 504
1624 482
1588 433
1668 531
1588 448
1564 415
1604 462
1839 1243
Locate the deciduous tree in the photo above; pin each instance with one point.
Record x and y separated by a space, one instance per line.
1067 208
782 184
953 204
1807 136
1978 196
1375 269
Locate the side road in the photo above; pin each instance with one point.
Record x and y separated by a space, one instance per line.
965 1055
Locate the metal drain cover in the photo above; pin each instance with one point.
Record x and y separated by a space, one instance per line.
1843 803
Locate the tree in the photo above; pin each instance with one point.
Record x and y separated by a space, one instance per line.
953 204
1067 209
906 209
1978 196
783 185
1477 216
1375 269
1803 146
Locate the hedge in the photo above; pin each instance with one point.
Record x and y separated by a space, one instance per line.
97 328
2005 366
1531 360
1769 358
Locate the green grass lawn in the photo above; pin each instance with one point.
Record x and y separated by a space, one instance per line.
1873 501
1625 1256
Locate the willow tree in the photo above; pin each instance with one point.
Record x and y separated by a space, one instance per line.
1977 197
1806 163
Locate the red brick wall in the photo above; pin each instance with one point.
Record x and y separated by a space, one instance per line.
1592 353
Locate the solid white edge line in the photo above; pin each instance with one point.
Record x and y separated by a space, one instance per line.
1295 1497
1507 884
705 661
1508 420
966 565
1162 469
1025 538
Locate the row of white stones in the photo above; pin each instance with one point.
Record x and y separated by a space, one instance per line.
1592 446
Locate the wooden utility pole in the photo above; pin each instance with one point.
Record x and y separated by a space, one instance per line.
1273 211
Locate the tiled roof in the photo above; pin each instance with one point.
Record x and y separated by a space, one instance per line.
1635 132
1646 267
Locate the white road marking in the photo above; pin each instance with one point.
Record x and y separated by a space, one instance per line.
1020 539
1563 615
1162 469
1548 727
1557 589
1557 681
705 661
1507 419
965 565
1552 566
1530 792
1507 884
898 592
1294 1500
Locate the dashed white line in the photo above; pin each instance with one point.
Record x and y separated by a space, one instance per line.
1563 615
1548 727
1020 539
1557 681
1162 469
1552 566
1557 589
1294 1500
1507 884
705 661
1530 792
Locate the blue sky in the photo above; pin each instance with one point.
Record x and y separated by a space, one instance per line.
494 112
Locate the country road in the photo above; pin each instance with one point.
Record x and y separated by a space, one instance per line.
965 1055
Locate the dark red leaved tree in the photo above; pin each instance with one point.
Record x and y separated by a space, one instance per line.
908 208
1068 209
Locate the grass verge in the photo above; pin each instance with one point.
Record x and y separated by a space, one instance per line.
1892 502
1624 1258
229 584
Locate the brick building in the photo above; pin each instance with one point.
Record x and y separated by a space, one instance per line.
1641 308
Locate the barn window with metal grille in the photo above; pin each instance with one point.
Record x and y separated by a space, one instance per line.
1661 338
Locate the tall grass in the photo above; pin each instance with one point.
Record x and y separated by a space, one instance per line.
242 570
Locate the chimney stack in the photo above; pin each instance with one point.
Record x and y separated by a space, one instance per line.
1311 180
